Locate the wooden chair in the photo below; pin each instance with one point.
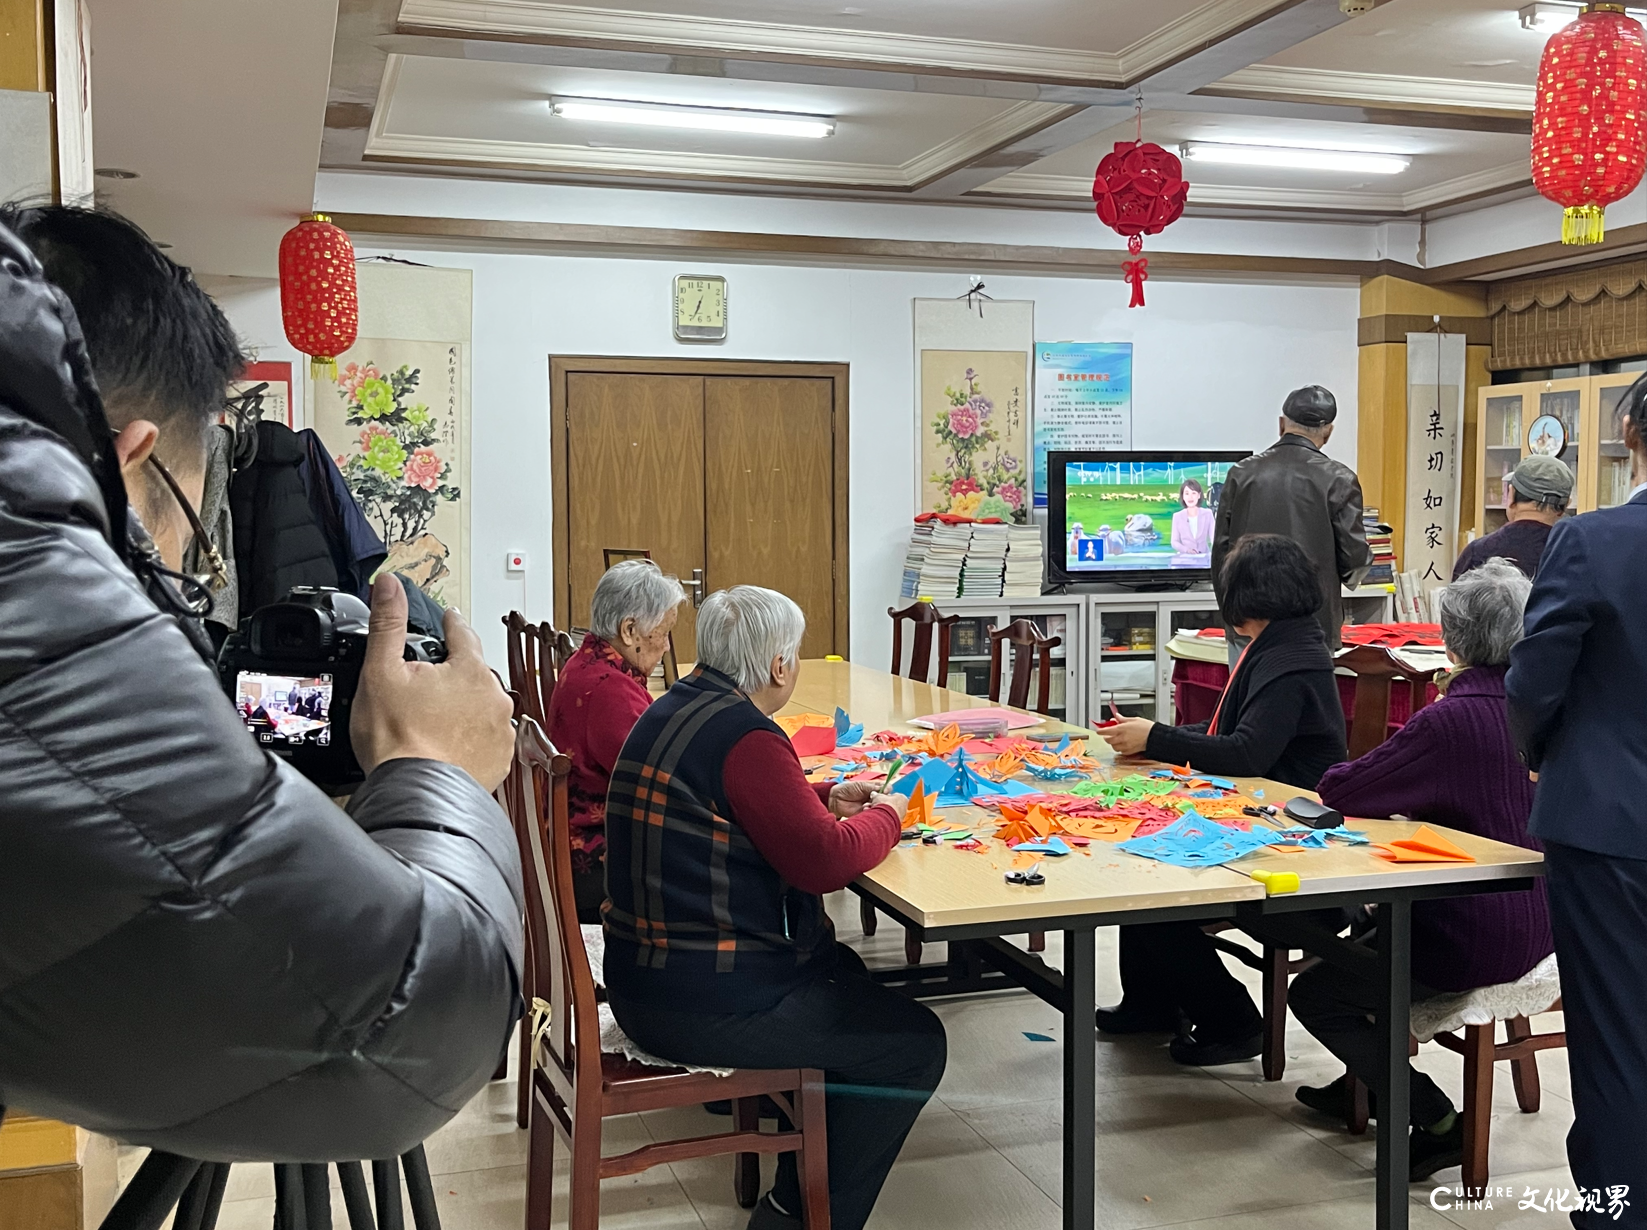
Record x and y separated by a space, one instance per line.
617 555
536 653
575 1086
1481 1051
1027 644
1376 672
929 626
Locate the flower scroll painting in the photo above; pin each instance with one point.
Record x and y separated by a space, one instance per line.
393 420
975 433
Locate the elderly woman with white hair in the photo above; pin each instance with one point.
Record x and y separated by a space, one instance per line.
718 950
1453 764
600 693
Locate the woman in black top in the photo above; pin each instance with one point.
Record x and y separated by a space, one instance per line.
1280 717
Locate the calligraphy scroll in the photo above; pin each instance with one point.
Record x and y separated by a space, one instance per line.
1435 402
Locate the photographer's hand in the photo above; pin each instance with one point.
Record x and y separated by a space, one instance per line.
454 711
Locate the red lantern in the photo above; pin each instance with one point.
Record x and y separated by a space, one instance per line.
1588 142
318 302
1139 189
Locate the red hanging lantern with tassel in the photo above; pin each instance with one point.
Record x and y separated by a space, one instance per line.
1139 190
1589 146
318 302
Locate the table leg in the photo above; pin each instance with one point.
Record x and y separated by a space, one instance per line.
1080 1078
1395 922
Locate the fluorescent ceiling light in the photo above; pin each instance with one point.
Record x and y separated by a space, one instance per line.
1546 17
706 119
1291 156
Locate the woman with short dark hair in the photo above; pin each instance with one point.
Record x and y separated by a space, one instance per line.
1192 525
1279 717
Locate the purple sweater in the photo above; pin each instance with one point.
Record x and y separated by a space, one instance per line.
1453 764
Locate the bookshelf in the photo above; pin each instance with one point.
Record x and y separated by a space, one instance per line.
1063 617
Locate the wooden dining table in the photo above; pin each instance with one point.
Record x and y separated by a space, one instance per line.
963 897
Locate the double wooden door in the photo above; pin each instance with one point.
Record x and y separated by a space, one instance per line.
728 473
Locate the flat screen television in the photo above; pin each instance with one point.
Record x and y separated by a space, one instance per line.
1133 518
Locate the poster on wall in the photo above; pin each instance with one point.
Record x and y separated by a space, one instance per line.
972 358
1435 401
1083 401
396 419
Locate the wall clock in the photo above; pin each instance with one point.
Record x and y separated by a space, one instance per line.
700 307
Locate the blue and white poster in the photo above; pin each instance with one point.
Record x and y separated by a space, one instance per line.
1083 401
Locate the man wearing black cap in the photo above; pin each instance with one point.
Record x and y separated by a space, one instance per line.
1538 490
1294 489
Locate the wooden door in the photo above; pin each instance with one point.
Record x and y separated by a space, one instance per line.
635 479
769 475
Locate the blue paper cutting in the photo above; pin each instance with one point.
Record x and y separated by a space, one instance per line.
1052 845
847 732
1057 773
1257 794
1038 1037
1193 841
1223 783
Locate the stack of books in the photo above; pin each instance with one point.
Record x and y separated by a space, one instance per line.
1379 538
941 570
985 563
1023 562
920 538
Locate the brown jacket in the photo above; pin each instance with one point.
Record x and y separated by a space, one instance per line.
1294 489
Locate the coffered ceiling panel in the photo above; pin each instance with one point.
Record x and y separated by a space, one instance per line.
1446 165
461 112
1075 39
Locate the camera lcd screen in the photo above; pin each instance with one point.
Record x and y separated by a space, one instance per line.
285 711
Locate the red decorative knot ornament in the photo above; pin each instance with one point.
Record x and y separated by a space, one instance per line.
1139 190
1589 147
318 302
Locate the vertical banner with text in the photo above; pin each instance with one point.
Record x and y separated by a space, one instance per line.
1435 404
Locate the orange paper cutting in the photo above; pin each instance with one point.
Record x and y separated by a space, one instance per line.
789 723
1424 846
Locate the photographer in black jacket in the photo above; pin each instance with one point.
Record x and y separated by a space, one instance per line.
198 950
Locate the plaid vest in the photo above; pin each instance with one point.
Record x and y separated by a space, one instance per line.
695 918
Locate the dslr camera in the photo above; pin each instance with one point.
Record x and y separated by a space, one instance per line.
292 669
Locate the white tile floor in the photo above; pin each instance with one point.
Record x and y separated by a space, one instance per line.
1220 1148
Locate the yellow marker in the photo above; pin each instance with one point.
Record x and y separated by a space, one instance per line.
833 657
1275 882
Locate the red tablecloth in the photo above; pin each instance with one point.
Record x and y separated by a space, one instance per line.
1196 687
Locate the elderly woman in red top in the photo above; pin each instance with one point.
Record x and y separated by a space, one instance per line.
600 694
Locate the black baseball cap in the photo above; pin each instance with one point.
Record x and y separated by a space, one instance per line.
1311 406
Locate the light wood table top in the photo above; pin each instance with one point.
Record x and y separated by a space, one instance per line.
940 887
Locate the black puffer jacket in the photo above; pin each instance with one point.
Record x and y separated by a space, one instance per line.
198 950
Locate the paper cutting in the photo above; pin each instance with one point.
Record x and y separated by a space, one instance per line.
847 733
1424 846
1196 842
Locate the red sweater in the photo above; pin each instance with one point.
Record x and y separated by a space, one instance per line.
788 817
597 701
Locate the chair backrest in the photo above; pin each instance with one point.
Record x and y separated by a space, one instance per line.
1026 642
537 653
618 555
929 625
535 796
1376 670
522 641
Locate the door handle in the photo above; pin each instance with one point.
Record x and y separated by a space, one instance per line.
696 586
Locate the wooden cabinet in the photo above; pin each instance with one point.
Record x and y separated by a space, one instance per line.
1510 427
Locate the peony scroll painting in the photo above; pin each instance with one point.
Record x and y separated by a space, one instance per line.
973 369
396 420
